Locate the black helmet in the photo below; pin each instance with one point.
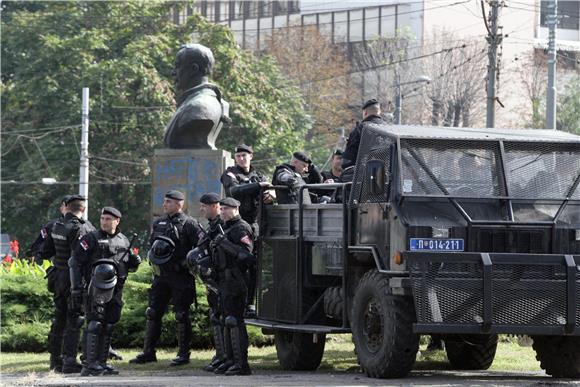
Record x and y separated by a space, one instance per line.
161 251
198 262
105 276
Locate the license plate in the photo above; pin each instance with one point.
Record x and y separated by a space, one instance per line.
436 244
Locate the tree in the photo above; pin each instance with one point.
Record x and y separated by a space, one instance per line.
124 52
568 111
320 70
457 72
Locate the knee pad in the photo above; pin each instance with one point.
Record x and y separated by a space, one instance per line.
109 328
78 321
214 319
231 322
94 327
182 316
150 313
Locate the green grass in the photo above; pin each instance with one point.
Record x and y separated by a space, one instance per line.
338 356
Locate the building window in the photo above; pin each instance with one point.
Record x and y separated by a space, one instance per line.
568 14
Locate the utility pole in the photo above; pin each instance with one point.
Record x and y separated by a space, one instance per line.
551 98
398 101
494 40
84 168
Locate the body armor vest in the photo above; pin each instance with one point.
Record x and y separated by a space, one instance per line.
63 233
113 248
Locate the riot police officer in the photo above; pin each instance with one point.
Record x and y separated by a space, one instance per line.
243 182
173 236
36 247
200 262
233 255
64 335
99 268
298 172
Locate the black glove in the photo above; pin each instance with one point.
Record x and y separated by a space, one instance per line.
218 240
76 301
134 262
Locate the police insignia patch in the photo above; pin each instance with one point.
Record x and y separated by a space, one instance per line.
230 174
43 233
84 245
246 240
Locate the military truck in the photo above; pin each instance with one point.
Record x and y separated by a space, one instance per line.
460 232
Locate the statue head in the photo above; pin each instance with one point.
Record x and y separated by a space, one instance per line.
193 65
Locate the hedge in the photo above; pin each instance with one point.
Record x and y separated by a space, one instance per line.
27 311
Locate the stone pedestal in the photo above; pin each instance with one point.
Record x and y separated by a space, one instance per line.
191 171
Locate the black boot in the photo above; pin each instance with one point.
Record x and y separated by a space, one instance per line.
220 352
70 345
152 333
239 337
55 345
222 368
92 367
104 349
184 342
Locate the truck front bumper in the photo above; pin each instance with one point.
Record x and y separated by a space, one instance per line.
470 293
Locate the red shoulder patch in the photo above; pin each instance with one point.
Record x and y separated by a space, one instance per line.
246 240
43 233
84 245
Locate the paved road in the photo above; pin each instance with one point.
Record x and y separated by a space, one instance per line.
280 378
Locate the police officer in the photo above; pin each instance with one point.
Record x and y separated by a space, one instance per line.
298 172
371 113
63 338
243 182
333 175
173 235
99 268
36 246
233 255
200 262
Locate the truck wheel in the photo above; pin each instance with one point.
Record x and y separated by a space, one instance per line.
333 302
473 352
382 328
559 356
297 351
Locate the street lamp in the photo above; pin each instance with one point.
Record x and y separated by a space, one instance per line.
399 97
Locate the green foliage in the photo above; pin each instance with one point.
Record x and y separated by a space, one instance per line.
27 310
568 111
123 52
24 267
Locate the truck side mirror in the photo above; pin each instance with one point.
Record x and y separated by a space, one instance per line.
376 176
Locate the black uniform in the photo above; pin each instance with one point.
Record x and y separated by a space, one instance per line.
232 256
351 151
63 339
245 187
99 267
286 175
329 175
213 298
171 282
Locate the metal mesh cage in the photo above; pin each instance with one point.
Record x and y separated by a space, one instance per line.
373 146
450 167
521 294
542 170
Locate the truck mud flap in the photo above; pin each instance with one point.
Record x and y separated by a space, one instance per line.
495 293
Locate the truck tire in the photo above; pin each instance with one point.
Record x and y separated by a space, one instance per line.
559 356
333 302
473 352
382 328
297 351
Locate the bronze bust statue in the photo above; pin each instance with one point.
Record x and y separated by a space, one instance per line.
201 111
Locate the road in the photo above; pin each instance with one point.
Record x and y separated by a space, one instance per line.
282 378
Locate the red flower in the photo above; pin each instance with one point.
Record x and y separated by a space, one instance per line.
135 250
8 258
15 247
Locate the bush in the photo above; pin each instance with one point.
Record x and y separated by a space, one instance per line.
27 310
